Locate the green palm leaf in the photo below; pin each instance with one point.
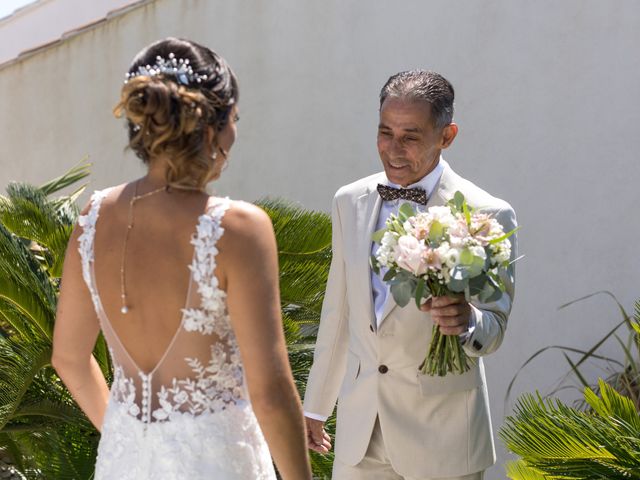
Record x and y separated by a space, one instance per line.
73 175
304 254
557 441
519 470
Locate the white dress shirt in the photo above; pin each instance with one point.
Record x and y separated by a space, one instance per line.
428 183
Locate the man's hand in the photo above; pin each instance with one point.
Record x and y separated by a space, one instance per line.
452 314
317 439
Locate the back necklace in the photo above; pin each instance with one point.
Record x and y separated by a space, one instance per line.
134 199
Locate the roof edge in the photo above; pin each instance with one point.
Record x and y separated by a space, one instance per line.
69 34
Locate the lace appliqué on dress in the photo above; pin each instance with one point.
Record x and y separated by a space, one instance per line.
85 241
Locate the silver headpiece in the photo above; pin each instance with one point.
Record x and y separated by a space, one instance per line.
176 67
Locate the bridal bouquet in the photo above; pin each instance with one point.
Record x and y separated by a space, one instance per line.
446 250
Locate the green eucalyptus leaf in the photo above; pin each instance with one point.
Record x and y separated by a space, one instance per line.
476 267
390 275
402 292
466 257
377 236
405 211
458 201
375 266
459 279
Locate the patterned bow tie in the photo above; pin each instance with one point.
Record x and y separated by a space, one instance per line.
417 195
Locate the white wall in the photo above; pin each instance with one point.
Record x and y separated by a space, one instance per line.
547 104
47 20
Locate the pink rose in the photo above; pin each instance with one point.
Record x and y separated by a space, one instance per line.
410 255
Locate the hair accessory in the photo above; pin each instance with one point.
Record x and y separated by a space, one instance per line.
176 67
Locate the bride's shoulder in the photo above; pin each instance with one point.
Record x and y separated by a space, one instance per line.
103 196
242 215
244 222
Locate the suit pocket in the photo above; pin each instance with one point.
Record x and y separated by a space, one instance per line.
450 383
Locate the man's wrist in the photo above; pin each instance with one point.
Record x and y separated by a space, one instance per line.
316 416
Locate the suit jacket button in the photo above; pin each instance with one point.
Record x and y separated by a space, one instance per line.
371 327
383 369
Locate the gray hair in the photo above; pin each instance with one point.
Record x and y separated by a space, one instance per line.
425 85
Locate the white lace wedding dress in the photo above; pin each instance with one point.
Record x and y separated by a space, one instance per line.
190 417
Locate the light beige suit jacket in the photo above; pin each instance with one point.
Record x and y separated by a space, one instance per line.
432 426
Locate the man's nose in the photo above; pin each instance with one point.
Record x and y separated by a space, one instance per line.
396 147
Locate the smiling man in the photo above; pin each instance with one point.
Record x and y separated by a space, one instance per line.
393 422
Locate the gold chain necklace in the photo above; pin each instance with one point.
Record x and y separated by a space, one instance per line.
134 199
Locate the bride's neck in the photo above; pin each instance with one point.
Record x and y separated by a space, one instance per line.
157 172
156 176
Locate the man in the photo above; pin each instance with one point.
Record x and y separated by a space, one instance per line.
393 422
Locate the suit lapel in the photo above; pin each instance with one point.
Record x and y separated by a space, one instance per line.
368 208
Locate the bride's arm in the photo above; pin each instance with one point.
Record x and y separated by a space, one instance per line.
249 268
75 333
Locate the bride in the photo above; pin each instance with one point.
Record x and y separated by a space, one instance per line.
184 287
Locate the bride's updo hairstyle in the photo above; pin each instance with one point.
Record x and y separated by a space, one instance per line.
173 91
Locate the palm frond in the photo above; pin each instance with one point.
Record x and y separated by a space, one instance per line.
21 362
562 442
25 284
29 214
304 254
519 470
73 175
298 231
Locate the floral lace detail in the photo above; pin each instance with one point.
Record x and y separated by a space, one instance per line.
214 387
123 390
220 383
85 241
212 315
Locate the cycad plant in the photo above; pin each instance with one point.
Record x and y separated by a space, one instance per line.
304 254
555 441
42 431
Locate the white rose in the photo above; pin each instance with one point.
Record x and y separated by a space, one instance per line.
478 251
442 215
450 255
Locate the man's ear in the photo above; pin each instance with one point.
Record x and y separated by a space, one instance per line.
448 135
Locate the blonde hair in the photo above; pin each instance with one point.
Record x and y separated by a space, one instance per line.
169 118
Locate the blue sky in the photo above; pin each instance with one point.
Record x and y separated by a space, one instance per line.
8 6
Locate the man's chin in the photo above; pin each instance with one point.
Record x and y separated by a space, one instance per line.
397 178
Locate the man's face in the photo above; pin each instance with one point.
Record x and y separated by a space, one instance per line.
408 143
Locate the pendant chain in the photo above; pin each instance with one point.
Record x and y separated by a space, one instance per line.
123 294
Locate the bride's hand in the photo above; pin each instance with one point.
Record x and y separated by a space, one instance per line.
318 439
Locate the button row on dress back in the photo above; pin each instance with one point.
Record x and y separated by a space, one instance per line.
146 393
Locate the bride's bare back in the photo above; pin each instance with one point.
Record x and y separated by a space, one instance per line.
157 275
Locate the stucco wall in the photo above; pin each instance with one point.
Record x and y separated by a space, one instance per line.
547 104
44 21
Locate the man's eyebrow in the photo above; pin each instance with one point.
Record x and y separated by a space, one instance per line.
382 126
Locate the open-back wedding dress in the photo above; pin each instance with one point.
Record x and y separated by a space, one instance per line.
190 416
